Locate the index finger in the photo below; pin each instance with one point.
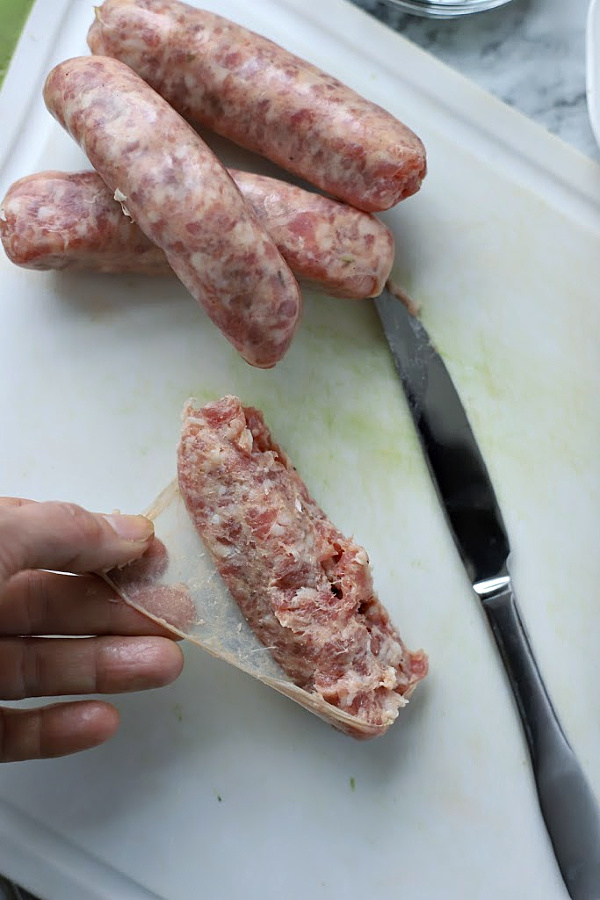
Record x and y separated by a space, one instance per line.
66 537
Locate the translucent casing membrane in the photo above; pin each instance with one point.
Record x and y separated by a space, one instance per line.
178 585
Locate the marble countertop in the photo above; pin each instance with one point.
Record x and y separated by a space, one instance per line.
529 53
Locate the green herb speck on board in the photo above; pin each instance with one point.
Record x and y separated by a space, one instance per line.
352 784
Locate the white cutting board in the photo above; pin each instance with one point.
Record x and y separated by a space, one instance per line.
216 787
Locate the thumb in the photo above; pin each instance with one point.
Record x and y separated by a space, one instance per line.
67 538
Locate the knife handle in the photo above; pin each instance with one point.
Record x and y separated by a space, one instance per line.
568 805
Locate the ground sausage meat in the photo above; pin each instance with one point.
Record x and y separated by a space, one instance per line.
304 588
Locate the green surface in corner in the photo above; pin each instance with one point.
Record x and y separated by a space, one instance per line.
13 14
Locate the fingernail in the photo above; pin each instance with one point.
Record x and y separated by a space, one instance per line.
131 528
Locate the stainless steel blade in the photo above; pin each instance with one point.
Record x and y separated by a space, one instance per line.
451 451
568 805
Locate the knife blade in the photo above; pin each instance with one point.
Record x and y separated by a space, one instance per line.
467 497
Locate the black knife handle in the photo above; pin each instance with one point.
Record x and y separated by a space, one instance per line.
568 805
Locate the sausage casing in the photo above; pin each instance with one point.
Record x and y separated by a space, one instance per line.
70 220
183 200
259 95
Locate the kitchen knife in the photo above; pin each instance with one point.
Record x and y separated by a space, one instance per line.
465 491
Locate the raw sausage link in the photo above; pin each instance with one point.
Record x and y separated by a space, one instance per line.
60 220
183 200
328 244
254 92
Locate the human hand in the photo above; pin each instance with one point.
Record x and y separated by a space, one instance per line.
117 650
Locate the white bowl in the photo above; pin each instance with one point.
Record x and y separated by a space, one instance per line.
593 67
